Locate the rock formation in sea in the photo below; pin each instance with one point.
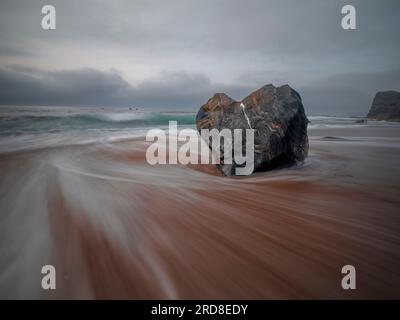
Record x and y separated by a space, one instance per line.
386 106
277 116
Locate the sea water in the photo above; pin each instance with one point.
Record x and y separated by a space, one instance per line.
29 128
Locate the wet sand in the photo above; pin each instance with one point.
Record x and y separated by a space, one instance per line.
116 227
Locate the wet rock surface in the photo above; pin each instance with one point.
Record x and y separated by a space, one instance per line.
277 116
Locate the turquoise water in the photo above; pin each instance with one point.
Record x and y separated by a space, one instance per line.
28 128
20 124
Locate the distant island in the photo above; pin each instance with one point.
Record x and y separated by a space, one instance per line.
385 106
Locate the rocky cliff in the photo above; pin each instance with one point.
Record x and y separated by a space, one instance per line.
386 106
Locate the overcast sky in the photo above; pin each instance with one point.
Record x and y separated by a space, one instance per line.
175 54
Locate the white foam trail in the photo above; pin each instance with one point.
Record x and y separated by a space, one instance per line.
245 114
25 236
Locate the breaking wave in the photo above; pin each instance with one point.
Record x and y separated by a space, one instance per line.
11 125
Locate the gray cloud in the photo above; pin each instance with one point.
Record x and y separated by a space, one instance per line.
342 94
29 86
21 85
176 53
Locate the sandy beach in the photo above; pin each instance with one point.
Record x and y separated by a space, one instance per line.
117 227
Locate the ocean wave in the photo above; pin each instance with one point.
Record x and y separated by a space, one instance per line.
47 123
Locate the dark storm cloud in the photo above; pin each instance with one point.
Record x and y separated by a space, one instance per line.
183 90
202 46
344 94
29 86
21 85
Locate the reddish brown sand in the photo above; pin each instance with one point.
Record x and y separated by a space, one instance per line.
186 232
250 251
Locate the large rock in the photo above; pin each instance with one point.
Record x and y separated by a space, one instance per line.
386 106
276 114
